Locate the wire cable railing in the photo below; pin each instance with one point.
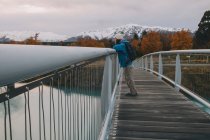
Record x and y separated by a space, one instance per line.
61 93
187 70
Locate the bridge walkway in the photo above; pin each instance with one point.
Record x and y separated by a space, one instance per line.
159 112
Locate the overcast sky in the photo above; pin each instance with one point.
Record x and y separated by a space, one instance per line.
74 16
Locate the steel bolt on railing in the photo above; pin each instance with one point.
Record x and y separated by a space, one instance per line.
73 102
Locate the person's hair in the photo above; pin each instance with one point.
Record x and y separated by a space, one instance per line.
118 41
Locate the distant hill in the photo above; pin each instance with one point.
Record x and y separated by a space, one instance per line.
107 33
7 36
128 30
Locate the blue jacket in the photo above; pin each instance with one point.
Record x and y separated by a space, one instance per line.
122 54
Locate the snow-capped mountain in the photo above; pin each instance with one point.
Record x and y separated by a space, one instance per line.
108 33
22 35
128 31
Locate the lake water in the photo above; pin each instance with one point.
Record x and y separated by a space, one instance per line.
83 107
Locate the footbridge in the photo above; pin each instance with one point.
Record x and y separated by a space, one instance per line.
78 93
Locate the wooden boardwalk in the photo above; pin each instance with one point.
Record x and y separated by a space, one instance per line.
159 112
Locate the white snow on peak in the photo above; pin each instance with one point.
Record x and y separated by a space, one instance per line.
128 30
22 35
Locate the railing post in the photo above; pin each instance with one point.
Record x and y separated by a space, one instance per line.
146 63
178 74
142 63
151 63
117 67
141 66
106 86
109 77
160 67
10 87
109 101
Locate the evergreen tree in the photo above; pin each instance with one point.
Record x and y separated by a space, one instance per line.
166 39
144 33
202 35
135 36
36 36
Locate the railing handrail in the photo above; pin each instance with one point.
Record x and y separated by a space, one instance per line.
183 89
93 71
179 52
177 82
21 62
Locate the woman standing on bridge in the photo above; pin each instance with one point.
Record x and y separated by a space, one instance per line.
125 63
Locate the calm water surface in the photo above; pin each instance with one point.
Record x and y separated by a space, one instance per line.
85 109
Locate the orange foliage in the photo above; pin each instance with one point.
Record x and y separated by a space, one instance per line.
32 41
90 43
12 42
181 40
151 43
135 43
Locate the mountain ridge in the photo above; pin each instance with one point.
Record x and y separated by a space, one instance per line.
107 33
128 30
23 35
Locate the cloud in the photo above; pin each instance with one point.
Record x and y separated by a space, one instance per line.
73 16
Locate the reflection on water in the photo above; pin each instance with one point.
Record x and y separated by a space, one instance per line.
78 118
70 110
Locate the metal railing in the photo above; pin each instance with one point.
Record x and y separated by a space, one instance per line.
184 69
56 93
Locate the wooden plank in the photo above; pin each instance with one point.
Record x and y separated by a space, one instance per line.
177 129
157 123
160 135
158 113
125 138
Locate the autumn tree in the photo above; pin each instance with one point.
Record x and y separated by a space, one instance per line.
135 41
89 42
13 42
181 40
108 43
151 43
33 40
